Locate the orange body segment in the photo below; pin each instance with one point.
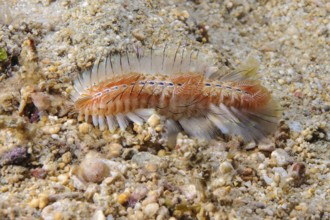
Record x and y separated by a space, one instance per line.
186 95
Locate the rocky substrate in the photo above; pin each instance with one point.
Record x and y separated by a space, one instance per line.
55 167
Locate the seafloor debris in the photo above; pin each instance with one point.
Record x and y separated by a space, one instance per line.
16 156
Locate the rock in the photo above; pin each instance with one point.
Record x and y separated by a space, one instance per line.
189 191
39 173
138 34
93 169
138 194
144 158
281 157
123 198
250 146
67 157
226 167
68 208
43 201
154 120
266 145
41 100
15 156
151 209
51 129
63 178
84 128
34 203
115 150
98 215
297 172
246 174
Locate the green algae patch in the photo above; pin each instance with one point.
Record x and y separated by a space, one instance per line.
3 55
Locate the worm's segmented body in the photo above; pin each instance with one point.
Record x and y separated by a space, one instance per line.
130 88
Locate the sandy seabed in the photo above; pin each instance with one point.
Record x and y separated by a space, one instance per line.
54 167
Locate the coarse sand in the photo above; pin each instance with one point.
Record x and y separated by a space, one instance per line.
55 167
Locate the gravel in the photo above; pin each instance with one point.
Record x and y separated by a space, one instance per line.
135 175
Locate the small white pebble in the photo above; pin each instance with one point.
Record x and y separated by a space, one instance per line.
93 169
226 167
154 120
51 129
98 215
280 157
151 209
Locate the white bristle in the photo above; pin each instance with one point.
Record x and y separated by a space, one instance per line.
122 121
95 74
216 120
102 71
230 115
198 127
86 79
116 65
144 113
112 124
101 122
134 118
95 120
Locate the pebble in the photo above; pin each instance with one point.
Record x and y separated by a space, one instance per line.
34 203
69 208
266 145
15 156
189 191
138 215
154 120
151 167
115 149
266 178
84 128
281 157
279 173
246 173
152 197
51 129
138 34
139 193
63 178
98 215
250 146
226 167
93 169
295 126
57 216
144 158
297 172
41 100
123 197
43 201
67 157
151 209
4 189
161 153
